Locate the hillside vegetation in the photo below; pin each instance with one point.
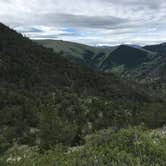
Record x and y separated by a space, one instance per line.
47 101
127 147
146 65
142 64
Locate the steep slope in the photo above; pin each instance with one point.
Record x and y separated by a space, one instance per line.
75 52
125 55
27 65
45 99
145 65
124 60
157 69
159 64
78 53
159 48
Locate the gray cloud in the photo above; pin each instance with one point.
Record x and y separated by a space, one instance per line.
96 21
151 4
71 20
29 30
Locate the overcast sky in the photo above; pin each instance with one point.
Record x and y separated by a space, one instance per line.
94 22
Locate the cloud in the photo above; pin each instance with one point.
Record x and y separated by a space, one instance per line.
92 22
81 21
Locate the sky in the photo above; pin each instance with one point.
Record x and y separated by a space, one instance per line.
92 22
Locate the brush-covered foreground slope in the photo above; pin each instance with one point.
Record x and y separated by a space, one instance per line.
46 100
128 147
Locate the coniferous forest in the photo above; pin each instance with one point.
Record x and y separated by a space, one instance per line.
56 111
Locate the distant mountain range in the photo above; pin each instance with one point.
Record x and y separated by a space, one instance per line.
109 46
129 61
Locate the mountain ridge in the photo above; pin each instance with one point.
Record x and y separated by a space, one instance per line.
110 59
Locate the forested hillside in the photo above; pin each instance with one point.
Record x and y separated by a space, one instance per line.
47 101
146 65
129 62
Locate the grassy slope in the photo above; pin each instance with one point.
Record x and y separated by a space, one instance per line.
77 53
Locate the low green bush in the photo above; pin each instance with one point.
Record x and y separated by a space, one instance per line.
126 147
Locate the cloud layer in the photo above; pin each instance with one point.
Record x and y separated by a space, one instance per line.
94 22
